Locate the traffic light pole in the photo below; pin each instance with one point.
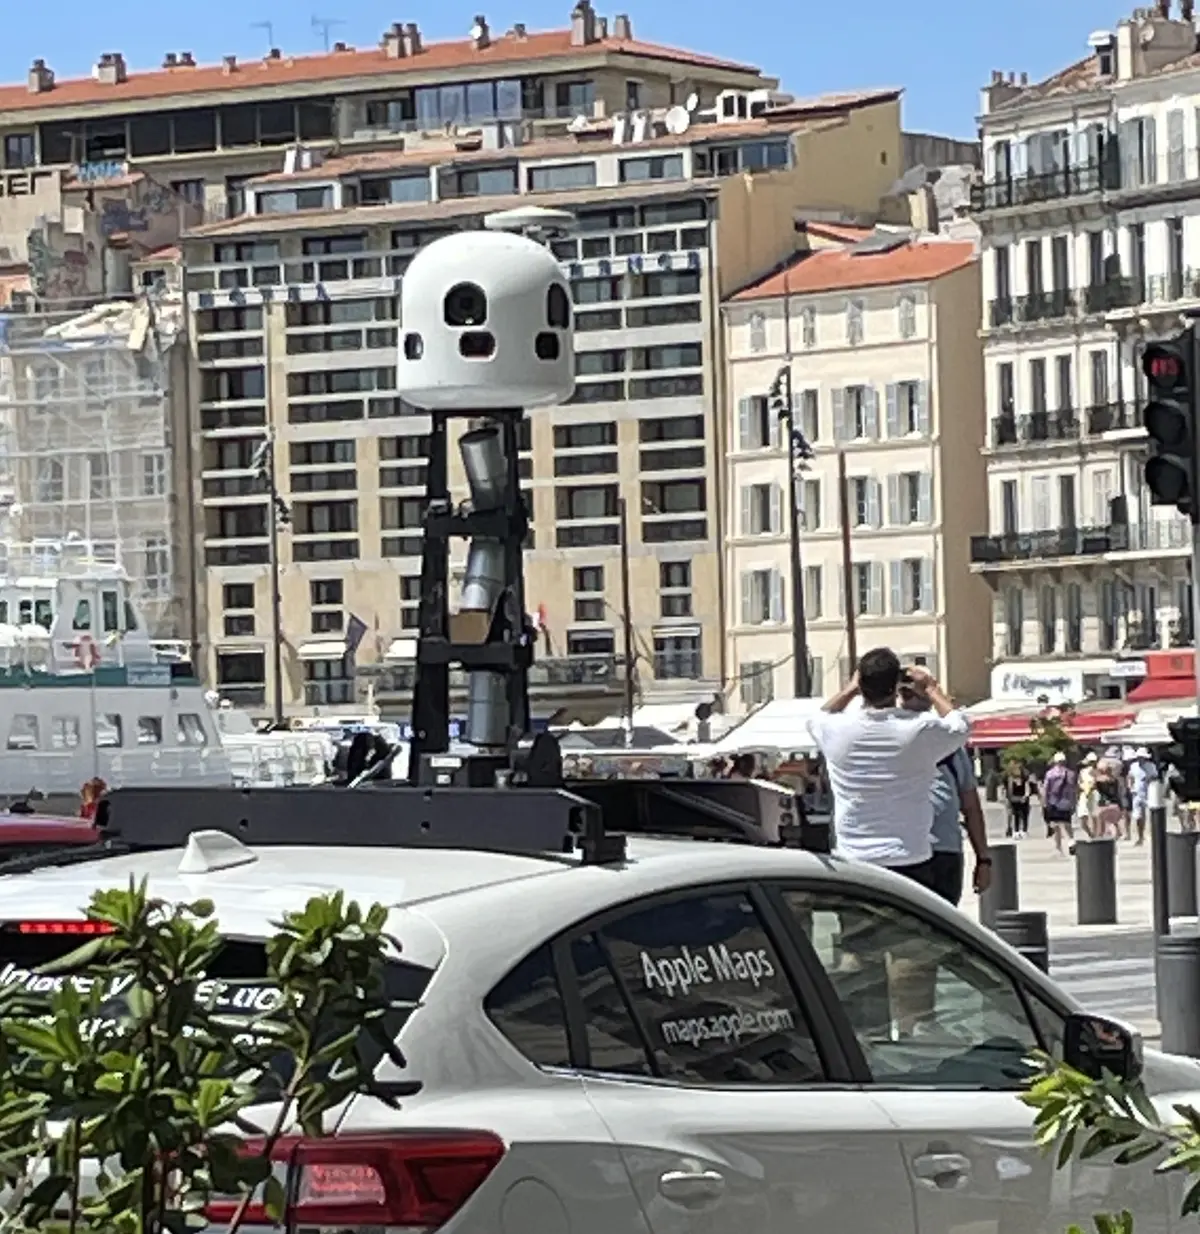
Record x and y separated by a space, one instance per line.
801 681
1194 513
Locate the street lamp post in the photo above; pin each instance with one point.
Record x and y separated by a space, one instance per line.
799 452
278 515
626 621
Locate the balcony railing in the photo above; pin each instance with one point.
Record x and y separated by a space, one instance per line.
566 673
1038 546
1112 418
1035 427
1028 310
1006 192
1116 293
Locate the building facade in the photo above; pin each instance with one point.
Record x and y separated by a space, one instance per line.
1090 215
294 327
877 331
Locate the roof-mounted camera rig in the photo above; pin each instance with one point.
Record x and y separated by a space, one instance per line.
486 336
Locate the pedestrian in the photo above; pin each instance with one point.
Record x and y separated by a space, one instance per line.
1018 792
1085 807
1060 798
882 758
743 767
1142 773
1108 798
956 807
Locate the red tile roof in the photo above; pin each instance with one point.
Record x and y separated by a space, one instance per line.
918 261
339 65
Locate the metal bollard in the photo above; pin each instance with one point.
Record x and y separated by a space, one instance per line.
1096 882
1177 976
1003 895
1181 873
1026 933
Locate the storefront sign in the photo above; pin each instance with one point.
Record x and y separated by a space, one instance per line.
1045 682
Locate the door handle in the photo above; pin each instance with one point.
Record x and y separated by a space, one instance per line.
942 1169
692 1188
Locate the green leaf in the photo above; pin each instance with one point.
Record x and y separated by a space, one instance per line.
274 1199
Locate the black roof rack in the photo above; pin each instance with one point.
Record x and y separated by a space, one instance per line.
591 818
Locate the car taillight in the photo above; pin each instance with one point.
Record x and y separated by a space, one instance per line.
64 927
417 1180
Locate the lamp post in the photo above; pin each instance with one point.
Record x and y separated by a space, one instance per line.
278 515
799 452
626 622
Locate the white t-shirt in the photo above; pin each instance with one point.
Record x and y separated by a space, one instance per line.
881 763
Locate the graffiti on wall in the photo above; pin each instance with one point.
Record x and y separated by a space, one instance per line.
56 272
147 212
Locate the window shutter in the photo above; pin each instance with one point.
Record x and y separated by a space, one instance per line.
923 418
747 597
839 415
776 509
893 500
893 410
1128 144
872 413
875 592
927 597
777 610
775 432
896 569
747 510
1149 148
745 420
816 676
1176 155
841 591
925 498
1020 159
873 495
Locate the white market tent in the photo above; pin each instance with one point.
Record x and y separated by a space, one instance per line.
779 727
1150 727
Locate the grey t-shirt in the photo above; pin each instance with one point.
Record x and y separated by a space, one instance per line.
955 777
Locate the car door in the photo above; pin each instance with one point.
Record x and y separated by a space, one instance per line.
728 1098
943 1027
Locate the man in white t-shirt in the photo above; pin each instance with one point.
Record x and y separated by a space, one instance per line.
882 760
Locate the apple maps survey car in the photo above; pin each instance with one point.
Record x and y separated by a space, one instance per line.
701 1038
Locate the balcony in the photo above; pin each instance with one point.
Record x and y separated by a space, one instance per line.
1042 306
1037 426
1120 293
1046 546
1113 418
1008 192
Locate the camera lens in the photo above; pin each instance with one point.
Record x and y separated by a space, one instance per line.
465 305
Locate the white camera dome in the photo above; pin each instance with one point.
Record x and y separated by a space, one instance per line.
486 323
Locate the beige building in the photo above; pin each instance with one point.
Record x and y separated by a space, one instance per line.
294 309
878 330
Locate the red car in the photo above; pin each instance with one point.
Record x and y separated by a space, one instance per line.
24 835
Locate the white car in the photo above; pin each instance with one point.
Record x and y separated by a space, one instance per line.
701 1039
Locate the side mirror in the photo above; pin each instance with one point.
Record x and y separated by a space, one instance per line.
1095 1046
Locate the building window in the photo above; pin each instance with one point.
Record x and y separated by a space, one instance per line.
589 593
591 643
677 656
907 409
154 475
661 167
1014 620
856 414
394 190
156 578
562 176
1073 618
867 588
586 501
864 501
326 597
758 427
910 499
810 505
758 332
814 593
906 310
49 481
290 201
242 677
762 509
756 682
20 150
675 588
808 326
912 586
855 311
329 683
762 597
99 476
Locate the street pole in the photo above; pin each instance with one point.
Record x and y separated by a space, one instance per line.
847 564
1157 801
273 570
801 683
626 622
1194 507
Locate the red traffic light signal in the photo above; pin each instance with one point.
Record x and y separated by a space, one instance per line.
1165 366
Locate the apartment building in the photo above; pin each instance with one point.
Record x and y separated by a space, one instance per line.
1090 214
877 329
294 308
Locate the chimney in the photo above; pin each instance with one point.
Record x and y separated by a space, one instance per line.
111 69
41 78
481 36
1186 9
187 60
583 24
412 39
393 41
997 77
622 27
601 28
274 54
1164 9
1024 79
340 46
170 60
229 63
518 30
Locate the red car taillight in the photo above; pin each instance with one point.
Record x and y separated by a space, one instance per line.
91 928
417 1180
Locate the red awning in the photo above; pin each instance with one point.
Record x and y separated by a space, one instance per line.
1086 727
1162 690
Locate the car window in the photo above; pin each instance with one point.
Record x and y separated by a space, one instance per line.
925 1007
527 1008
710 1001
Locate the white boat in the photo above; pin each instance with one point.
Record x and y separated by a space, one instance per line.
275 758
83 692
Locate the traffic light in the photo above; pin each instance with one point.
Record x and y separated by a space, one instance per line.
1184 757
1170 418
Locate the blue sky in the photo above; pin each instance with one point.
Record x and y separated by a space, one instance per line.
940 52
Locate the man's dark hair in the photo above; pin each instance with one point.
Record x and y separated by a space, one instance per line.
878 675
